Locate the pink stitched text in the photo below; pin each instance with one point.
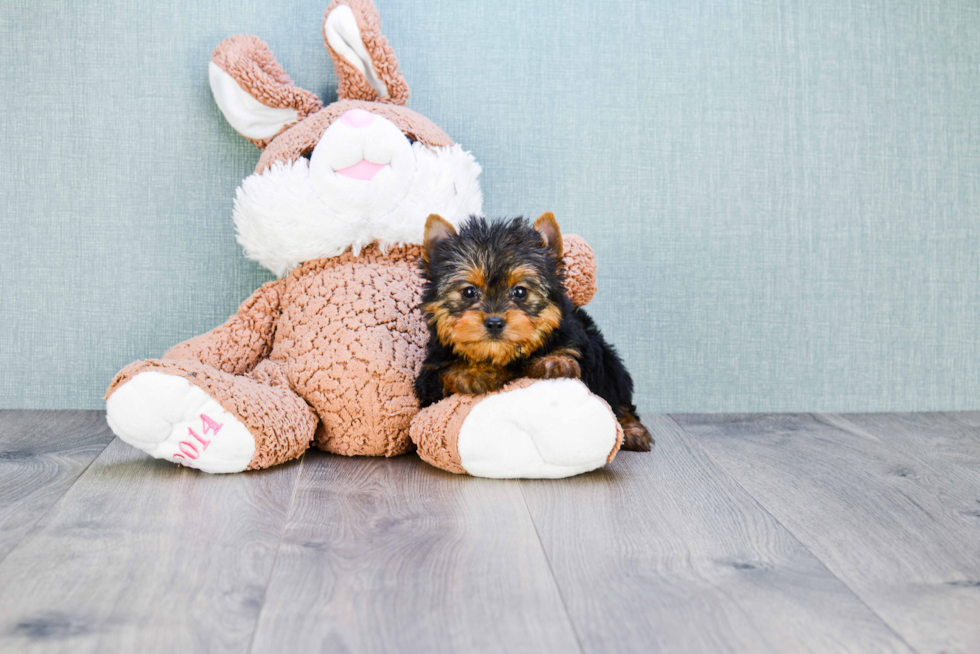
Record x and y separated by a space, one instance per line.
188 448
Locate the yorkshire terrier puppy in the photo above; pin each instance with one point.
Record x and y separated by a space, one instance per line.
497 310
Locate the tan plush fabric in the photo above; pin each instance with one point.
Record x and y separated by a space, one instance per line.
580 270
243 340
281 422
250 63
435 430
337 342
351 338
619 435
619 442
302 137
352 84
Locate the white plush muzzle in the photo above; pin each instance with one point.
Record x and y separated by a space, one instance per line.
364 182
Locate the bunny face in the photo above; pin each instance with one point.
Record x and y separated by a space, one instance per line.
361 170
363 165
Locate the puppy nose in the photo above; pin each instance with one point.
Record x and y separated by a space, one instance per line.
494 324
358 118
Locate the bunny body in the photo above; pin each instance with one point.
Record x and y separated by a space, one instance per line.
328 353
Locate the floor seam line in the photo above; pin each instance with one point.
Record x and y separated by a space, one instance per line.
275 558
58 501
792 534
551 570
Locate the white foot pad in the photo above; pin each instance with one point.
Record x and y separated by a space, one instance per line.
171 419
554 428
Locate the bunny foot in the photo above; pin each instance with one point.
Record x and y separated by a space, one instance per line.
170 419
545 429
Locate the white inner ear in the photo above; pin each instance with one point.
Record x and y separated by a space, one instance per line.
344 37
248 116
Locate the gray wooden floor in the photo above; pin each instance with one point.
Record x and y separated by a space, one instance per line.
758 533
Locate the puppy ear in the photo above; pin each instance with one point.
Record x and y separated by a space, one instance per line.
366 65
547 226
437 229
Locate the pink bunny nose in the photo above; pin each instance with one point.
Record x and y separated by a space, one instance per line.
358 118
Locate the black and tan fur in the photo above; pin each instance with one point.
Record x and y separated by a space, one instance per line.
497 310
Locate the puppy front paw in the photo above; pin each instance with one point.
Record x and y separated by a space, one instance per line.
554 366
474 379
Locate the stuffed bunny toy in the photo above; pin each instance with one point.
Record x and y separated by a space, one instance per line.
327 354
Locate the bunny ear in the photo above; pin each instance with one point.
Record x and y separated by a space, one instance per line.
366 66
253 92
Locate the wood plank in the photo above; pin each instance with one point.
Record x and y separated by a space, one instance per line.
393 555
143 556
664 552
889 520
946 447
42 453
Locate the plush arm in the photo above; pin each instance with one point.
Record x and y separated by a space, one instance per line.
245 339
580 269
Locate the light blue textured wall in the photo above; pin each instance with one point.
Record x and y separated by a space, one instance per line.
784 196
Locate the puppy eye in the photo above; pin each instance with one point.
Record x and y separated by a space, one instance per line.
468 293
519 293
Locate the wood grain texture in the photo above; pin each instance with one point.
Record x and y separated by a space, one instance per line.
945 447
663 552
143 556
737 533
888 503
392 555
42 453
